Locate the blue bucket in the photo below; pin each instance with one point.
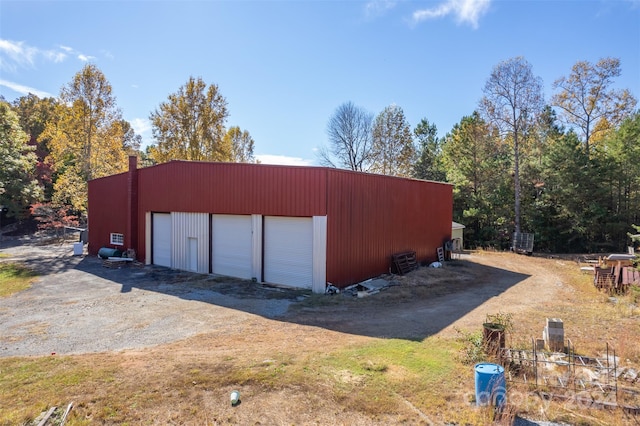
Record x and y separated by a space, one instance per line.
490 385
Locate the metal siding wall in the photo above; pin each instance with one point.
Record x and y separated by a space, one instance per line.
231 188
370 217
185 226
108 206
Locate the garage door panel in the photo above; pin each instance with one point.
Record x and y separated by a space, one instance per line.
288 253
231 245
161 239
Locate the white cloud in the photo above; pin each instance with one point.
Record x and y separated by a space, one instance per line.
141 125
378 7
24 90
283 160
15 55
464 11
85 58
55 56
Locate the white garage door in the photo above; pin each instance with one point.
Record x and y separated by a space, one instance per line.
288 251
161 239
231 247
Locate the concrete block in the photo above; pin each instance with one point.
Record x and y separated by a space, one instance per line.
554 323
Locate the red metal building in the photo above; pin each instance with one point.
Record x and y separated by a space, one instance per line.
298 226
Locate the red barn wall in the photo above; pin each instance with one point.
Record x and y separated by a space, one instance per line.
108 210
370 217
230 188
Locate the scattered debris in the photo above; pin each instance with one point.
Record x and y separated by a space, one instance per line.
66 413
53 416
48 414
235 398
369 287
331 289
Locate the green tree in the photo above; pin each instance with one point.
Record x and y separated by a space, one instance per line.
18 186
428 165
87 137
621 179
512 101
586 99
34 114
568 207
478 167
190 125
349 133
238 145
392 152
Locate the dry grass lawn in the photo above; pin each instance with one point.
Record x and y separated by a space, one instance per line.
290 373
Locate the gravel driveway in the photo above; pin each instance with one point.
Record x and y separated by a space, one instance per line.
79 306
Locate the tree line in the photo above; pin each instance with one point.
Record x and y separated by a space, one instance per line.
51 147
566 170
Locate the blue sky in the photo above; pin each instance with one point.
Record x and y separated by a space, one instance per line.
285 66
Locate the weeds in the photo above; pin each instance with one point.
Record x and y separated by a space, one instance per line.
473 348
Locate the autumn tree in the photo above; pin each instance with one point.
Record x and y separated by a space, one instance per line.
87 137
190 125
427 165
586 98
349 134
18 186
238 145
392 151
512 101
34 114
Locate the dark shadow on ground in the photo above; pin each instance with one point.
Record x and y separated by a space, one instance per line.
404 312
416 308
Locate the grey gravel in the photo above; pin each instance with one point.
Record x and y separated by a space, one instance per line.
79 306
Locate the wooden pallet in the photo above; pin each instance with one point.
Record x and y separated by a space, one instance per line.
405 262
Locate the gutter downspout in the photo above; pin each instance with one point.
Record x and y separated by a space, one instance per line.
131 237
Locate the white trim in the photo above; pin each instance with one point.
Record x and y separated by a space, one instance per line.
147 238
256 247
319 282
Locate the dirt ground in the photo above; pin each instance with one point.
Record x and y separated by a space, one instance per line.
166 325
79 306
